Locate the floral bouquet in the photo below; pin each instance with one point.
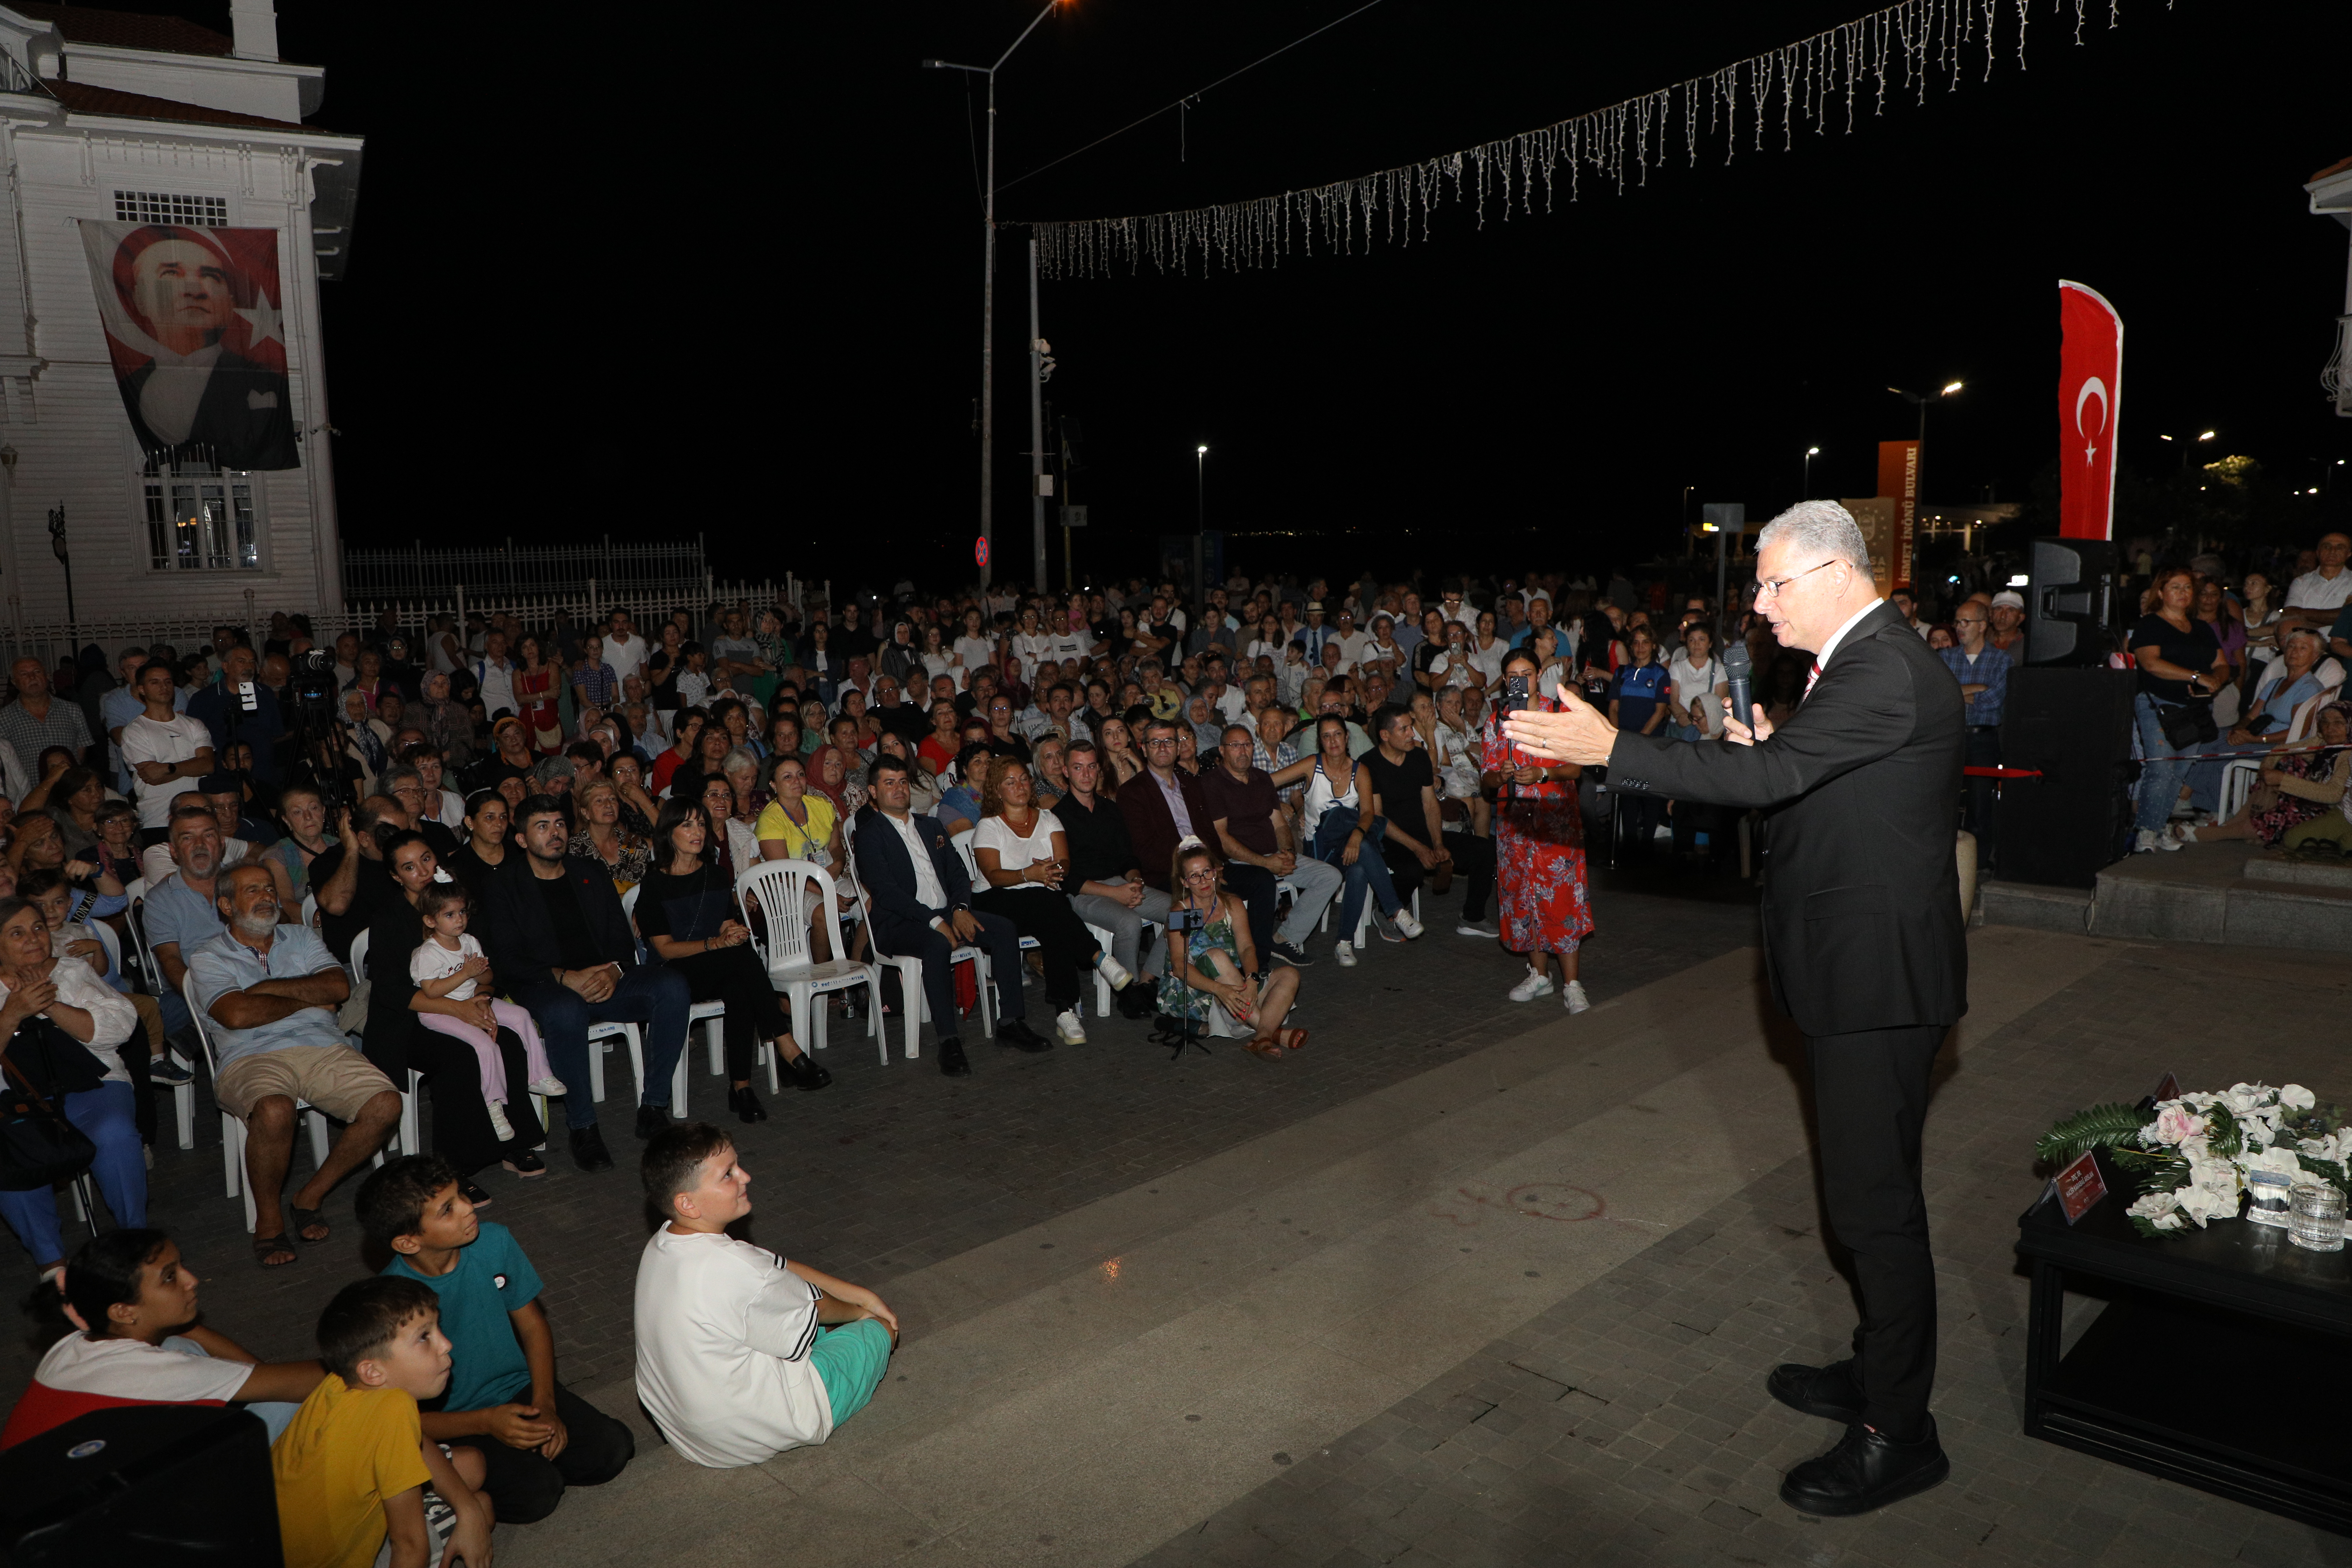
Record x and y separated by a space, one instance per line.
2192 1155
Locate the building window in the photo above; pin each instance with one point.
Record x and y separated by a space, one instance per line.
164 206
200 518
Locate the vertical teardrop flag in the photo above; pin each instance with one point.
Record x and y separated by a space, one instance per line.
2090 394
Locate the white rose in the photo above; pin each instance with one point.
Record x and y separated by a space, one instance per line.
2282 1161
2297 1098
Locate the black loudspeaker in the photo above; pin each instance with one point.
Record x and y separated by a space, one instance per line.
2075 727
2070 600
146 1486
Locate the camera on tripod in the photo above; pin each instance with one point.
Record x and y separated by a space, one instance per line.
316 729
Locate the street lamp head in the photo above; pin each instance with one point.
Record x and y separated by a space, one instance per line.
1202 451
2164 438
1950 387
2208 435
1813 452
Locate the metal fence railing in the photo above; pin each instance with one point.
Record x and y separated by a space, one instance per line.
425 575
591 601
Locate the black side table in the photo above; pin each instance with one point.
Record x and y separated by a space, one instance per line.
2221 1361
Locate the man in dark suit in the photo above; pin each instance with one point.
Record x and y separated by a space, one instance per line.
1864 943
1150 804
560 945
918 898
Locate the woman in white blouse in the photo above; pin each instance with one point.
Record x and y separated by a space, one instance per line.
973 650
1023 856
1487 649
1030 644
64 1026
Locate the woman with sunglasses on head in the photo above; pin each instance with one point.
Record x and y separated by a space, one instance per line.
1208 978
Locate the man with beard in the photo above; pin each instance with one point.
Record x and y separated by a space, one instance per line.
270 992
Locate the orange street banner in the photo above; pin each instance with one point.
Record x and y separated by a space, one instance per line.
1898 480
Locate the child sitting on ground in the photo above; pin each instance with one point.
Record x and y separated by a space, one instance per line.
448 965
352 1467
741 1353
132 1303
535 1436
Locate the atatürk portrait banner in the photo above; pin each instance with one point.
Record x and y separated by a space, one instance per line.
194 327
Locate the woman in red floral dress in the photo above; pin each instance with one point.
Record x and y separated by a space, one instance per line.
1539 852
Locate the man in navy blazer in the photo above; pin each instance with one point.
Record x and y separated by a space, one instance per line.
560 945
918 900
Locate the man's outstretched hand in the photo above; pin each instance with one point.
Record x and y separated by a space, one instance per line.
1579 733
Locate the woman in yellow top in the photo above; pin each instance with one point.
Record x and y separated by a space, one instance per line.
802 824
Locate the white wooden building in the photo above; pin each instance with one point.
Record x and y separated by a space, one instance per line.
2331 196
136 119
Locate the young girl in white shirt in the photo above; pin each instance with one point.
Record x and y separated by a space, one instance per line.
446 965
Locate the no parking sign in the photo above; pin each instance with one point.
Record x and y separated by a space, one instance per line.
979 552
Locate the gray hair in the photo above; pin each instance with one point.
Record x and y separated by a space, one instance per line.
394 777
1817 527
739 759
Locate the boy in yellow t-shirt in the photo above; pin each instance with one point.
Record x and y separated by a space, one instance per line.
353 1466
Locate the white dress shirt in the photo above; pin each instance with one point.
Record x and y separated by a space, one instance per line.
928 890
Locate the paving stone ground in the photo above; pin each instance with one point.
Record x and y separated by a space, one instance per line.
1629 1423
892 1168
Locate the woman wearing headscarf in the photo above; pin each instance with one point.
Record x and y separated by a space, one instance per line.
2302 782
900 655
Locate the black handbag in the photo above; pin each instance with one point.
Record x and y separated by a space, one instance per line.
38 1147
2188 723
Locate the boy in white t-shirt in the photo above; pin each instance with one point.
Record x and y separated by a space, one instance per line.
164 751
741 1353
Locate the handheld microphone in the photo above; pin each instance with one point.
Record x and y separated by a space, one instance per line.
1738 671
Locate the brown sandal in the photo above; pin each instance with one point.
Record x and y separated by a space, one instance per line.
1297 1041
1264 1050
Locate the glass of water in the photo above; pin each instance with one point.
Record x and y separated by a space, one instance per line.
2269 1197
2317 1218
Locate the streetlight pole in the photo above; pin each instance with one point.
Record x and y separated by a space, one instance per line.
1805 487
988 299
1200 489
1921 401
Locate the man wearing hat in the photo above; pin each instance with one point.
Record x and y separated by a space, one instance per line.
2008 632
1312 637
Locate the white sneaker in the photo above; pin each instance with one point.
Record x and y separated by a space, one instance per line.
1575 997
499 1123
1112 970
1346 953
1406 923
1533 987
2183 833
2152 838
550 1085
1066 1024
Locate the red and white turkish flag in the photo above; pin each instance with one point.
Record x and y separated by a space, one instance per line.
2090 393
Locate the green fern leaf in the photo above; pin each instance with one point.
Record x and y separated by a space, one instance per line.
2100 1127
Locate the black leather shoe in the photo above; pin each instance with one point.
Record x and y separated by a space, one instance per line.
1016 1033
1138 1000
745 1102
952 1061
652 1119
805 1074
1866 1471
1825 1391
588 1149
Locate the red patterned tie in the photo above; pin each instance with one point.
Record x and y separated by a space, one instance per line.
1816 675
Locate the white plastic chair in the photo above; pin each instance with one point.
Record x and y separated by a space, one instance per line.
917 1002
184 1096
776 889
233 1130
410 1141
1363 921
2238 777
711 1015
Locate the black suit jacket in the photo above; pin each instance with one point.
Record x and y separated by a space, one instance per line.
245 415
1861 787
517 934
888 875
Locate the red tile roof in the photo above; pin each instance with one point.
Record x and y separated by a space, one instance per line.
129 30
81 98
2337 167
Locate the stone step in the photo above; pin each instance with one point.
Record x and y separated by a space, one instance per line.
2249 911
2034 907
2269 866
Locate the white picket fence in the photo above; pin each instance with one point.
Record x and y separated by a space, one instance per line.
592 601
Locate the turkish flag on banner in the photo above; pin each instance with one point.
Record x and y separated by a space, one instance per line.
2090 392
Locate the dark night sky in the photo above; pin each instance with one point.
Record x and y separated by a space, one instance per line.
777 347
